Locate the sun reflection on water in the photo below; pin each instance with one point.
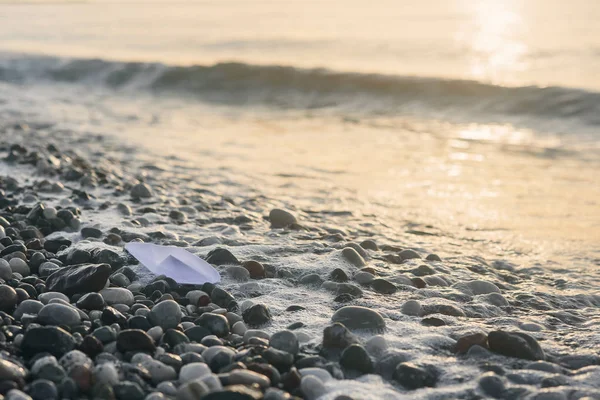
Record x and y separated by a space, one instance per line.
494 40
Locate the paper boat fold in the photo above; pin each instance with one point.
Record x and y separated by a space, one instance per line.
174 262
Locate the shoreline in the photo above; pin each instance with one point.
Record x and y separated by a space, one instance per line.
430 308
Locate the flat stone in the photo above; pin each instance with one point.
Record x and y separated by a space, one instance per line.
477 287
383 286
79 279
355 317
50 339
47 296
408 254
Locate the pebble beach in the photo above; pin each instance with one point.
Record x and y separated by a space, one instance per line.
401 199
308 307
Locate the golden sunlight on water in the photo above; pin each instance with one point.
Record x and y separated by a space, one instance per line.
494 40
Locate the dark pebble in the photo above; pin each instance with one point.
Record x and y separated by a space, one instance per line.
338 275
135 340
355 357
383 286
413 377
50 339
257 315
515 344
220 256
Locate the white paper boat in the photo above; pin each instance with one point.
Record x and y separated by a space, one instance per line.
174 262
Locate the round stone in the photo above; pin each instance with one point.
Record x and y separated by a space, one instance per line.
414 377
491 384
28 307
355 357
5 270
8 298
256 315
412 308
355 317
312 387
166 314
515 344
11 372
19 266
281 218
217 324
135 340
285 341
364 278
46 297
59 314
141 190
91 301
353 257
478 287
256 269
383 286
117 296
193 371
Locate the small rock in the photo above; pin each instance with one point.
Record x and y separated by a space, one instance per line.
49 339
464 343
8 298
11 372
412 308
285 341
256 269
257 315
355 317
353 257
355 357
312 387
117 296
515 344
59 314
141 191
19 266
413 377
135 340
383 286
281 218
166 314
79 279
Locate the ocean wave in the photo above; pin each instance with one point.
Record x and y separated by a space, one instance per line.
290 87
